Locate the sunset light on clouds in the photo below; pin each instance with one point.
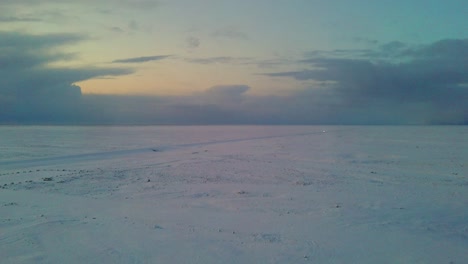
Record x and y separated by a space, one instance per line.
183 61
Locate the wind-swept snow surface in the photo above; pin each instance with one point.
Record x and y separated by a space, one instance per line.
222 194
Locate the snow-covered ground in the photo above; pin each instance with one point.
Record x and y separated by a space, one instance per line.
234 194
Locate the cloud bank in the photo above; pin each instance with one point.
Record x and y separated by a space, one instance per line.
426 84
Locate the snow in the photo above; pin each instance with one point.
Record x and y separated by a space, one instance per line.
234 194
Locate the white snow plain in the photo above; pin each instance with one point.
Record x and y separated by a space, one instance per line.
234 194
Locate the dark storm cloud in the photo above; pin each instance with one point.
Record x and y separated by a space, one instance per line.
141 59
427 84
31 90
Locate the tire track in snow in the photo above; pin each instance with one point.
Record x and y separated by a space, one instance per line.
15 164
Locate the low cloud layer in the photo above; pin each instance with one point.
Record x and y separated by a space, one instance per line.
397 83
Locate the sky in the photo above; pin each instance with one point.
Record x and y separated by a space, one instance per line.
234 62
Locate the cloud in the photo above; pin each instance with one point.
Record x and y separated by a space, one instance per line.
366 40
423 84
133 25
443 49
33 91
116 29
222 104
329 103
217 105
217 60
22 41
8 19
140 4
230 32
339 53
193 42
226 95
136 4
142 59
65 11
260 63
